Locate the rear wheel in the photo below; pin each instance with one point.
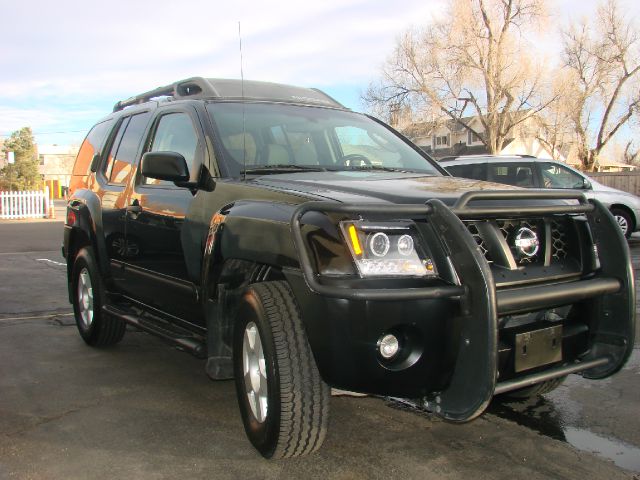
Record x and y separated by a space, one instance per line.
283 401
95 328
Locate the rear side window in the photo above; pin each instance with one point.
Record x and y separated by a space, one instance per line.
125 147
517 174
91 145
474 171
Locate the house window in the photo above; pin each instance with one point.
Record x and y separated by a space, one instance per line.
41 158
472 137
442 140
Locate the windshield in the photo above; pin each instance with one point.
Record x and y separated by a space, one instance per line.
282 138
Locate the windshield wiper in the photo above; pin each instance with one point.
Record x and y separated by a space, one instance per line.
283 168
379 168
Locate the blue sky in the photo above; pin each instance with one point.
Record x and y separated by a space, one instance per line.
63 64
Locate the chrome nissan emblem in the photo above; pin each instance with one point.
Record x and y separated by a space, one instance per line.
526 242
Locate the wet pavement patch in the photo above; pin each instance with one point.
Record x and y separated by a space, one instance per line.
623 455
540 414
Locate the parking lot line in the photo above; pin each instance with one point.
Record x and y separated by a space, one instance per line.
51 261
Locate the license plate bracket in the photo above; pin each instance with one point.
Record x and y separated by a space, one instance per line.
538 347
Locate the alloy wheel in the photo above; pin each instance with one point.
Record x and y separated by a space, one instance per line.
254 372
622 223
85 298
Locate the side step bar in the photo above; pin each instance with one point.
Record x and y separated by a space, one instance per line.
552 373
169 333
519 300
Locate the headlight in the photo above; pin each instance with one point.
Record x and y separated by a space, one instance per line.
386 249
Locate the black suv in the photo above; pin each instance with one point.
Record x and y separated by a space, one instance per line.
297 245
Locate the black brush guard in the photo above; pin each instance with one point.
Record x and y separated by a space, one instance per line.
611 291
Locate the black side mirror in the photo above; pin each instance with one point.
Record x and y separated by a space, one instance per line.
170 166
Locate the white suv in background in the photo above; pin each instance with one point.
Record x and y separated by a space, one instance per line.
531 172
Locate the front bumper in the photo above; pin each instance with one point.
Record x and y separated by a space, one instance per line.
456 324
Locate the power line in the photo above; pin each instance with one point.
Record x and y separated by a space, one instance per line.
46 133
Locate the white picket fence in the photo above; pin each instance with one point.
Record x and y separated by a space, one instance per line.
28 204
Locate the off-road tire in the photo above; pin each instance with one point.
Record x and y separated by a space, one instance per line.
535 390
298 400
103 330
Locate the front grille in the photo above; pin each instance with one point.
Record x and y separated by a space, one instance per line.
509 229
552 233
475 233
559 244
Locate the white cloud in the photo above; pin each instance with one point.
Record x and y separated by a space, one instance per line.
63 61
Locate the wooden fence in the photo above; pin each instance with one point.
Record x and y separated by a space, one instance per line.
625 181
30 204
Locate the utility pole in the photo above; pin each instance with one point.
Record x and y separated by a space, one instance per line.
11 160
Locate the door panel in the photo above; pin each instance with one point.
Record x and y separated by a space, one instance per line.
114 177
157 274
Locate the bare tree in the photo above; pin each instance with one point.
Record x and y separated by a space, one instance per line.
603 60
555 129
630 154
475 61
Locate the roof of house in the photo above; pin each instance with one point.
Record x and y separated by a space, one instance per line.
459 149
417 129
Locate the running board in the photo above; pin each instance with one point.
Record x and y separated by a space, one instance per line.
171 333
550 374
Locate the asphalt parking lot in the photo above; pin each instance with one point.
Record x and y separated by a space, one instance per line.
145 410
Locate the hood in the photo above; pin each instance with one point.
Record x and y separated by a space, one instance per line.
610 196
378 187
599 187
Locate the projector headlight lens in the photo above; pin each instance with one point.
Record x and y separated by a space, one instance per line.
387 249
405 245
379 244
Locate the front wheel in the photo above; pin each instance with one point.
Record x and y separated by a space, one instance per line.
283 401
624 221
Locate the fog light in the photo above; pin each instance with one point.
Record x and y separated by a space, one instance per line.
388 346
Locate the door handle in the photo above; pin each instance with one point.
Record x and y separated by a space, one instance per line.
134 208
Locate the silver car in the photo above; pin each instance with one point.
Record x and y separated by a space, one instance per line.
530 172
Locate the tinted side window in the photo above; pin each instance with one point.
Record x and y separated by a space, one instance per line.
126 147
174 133
474 171
91 146
114 147
517 174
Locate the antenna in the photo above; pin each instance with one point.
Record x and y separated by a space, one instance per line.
244 133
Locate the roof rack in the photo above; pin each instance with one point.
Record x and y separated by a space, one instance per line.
199 87
191 87
486 155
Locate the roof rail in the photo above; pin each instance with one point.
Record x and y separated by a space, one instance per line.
195 86
220 88
486 155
